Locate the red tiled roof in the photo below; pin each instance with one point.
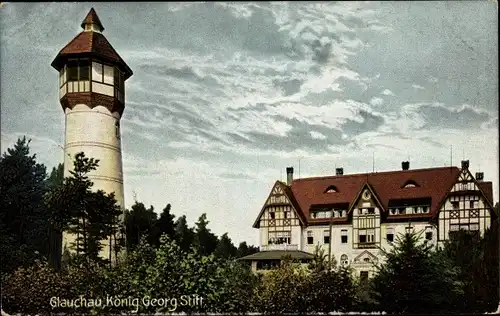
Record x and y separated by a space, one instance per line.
433 183
487 188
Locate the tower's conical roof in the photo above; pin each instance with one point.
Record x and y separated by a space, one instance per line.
91 44
92 18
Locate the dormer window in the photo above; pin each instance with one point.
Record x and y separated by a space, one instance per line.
331 189
410 184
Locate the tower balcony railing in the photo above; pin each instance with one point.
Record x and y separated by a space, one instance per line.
279 247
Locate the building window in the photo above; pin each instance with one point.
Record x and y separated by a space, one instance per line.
343 236
371 210
286 215
390 234
362 236
428 233
271 215
326 237
344 260
310 238
455 205
331 189
363 276
408 230
280 238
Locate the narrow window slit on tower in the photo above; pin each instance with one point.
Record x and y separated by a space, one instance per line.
117 129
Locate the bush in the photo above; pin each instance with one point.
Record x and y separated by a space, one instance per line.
283 290
29 290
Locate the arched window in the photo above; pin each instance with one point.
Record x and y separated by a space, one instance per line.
344 260
331 189
410 184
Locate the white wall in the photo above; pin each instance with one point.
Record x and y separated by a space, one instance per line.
93 132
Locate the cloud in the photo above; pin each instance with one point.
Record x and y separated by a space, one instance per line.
418 87
387 92
376 101
317 135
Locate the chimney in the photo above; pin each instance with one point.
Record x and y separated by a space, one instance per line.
479 176
339 171
465 164
289 175
405 165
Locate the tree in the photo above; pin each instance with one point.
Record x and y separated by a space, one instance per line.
245 250
56 179
284 290
330 287
184 234
225 248
164 225
91 216
415 279
139 223
23 220
477 261
204 239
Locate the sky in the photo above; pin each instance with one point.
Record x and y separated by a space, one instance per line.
225 96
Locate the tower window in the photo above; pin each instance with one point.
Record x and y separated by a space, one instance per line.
84 72
72 72
117 129
76 76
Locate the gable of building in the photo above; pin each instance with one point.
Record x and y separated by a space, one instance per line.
365 257
366 198
279 197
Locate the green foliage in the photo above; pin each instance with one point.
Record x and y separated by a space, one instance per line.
184 234
28 290
92 216
164 225
23 219
283 290
139 223
245 250
416 279
477 260
225 248
330 287
204 239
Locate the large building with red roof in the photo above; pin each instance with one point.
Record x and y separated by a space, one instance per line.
352 216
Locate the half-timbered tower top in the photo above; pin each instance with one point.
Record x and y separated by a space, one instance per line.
91 71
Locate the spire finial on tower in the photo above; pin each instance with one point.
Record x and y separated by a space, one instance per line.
92 22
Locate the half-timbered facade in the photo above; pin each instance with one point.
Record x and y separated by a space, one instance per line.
352 216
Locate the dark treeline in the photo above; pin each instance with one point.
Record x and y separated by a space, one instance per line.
36 207
166 258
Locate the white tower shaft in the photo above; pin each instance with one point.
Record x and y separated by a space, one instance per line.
96 133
